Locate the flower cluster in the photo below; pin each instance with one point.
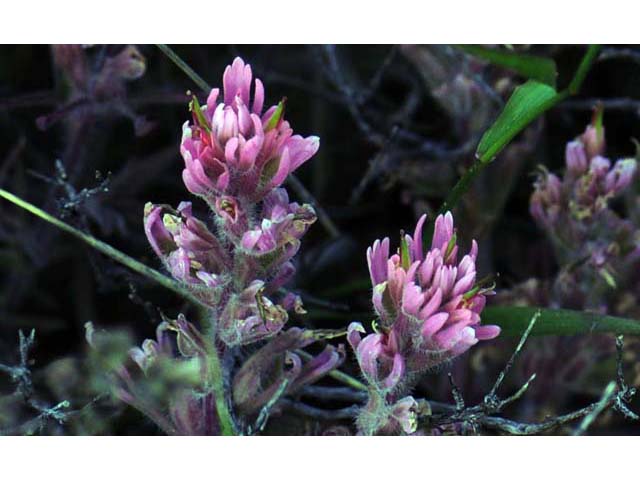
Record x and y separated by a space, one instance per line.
236 157
233 148
428 305
164 379
590 182
591 241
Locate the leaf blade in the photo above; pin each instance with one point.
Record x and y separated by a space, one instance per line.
527 102
531 67
514 321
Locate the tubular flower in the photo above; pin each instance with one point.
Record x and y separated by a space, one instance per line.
265 370
590 182
233 148
165 379
428 303
236 157
574 212
283 224
250 316
188 249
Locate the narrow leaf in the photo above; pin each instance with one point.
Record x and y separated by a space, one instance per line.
527 103
583 68
103 247
530 66
514 321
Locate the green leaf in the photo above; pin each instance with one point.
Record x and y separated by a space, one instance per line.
405 258
194 106
530 66
103 247
527 102
514 321
583 68
276 116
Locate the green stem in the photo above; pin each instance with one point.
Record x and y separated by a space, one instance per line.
103 247
338 375
583 68
227 425
479 164
197 79
216 377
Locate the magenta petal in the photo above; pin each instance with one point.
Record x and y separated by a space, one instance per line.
417 239
249 153
258 97
192 185
232 80
212 100
353 334
443 231
368 352
250 239
487 332
397 371
433 324
301 150
464 284
377 256
157 234
230 150
432 305
283 170
576 158
412 299
223 180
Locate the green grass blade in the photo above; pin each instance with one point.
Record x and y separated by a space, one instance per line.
529 66
583 68
514 320
182 65
103 247
527 103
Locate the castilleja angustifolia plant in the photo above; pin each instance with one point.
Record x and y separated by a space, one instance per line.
428 306
591 241
236 157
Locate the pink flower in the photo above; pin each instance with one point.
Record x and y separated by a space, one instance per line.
282 226
429 306
191 253
233 148
588 185
264 371
250 316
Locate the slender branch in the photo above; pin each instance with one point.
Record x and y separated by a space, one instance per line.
509 364
618 103
619 53
344 394
319 413
261 422
598 409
